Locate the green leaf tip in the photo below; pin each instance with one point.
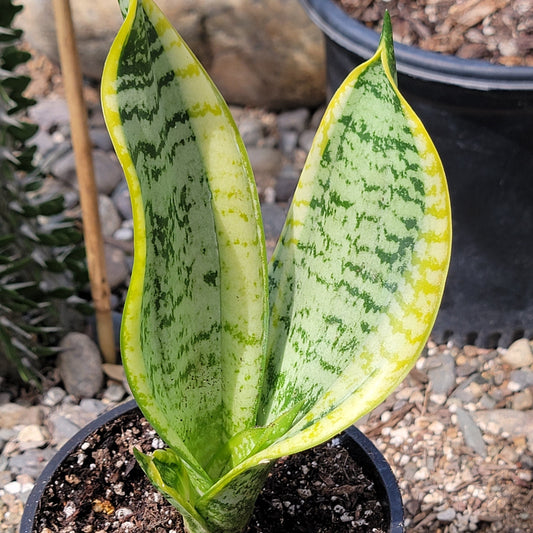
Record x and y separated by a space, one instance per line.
386 42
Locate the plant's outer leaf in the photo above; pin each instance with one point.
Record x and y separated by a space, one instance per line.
194 326
227 514
170 475
358 274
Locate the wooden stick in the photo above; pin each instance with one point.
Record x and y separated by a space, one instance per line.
81 144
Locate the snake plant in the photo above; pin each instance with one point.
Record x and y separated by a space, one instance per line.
236 362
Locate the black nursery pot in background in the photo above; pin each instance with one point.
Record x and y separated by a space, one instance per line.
480 117
359 447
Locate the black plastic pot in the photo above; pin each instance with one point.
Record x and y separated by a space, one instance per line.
480 117
358 446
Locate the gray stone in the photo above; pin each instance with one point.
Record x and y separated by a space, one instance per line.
294 120
317 117
116 267
251 130
61 429
469 390
519 354
273 220
115 392
129 264
306 140
115 301
265 54
92 406
510 421
446 516
49 113
44 143
110 220
265 160
7 433
107 170
467 369
5 436
124 233
288 140
53 396
81 416
96 117
471 432
64 168
521 379
441 373
31 462
487 402
100 139
52 157
80 365
288 172
285 188
121 199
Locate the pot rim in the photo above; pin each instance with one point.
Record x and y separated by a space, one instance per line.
355 37
352 439
355 440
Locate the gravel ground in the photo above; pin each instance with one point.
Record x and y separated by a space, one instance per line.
458 432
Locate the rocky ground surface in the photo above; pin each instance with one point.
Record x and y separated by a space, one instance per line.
458 433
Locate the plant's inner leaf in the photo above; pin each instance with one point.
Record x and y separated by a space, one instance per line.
244 444
194 327
358 274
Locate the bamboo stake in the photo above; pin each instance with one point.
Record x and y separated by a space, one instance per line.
81 144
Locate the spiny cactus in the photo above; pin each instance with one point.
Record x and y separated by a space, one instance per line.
41 257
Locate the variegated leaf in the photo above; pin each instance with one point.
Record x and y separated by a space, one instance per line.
358 274
193 333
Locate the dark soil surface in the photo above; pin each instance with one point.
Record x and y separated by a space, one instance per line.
101 488
499 31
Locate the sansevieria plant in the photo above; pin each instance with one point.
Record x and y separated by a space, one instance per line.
236 362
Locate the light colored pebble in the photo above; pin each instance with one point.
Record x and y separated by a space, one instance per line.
446 516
